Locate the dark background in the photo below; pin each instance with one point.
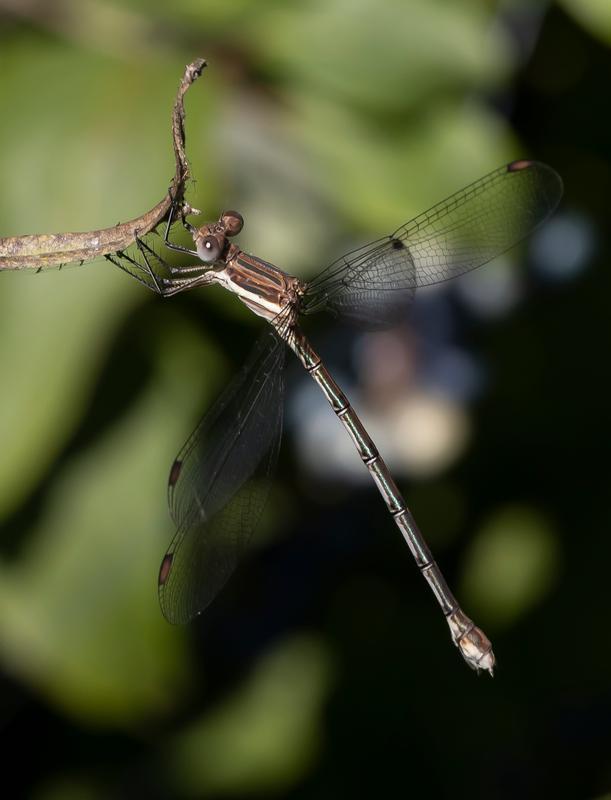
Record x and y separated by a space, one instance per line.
324 669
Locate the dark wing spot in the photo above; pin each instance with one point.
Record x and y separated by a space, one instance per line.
397 244
164 569
516 166
175 472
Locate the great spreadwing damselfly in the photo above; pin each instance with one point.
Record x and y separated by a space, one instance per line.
220 480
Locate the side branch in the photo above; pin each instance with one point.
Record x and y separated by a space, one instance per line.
37 251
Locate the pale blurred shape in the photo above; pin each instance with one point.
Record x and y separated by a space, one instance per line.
429 433
418 434
419 430
511 565
391 362
284 220
324 447
266 735
562 249
492 291
454 373
385 361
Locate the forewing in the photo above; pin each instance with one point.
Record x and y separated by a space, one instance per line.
372 286
220 481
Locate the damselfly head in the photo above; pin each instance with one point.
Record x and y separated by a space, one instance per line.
209 243
211 239
232 221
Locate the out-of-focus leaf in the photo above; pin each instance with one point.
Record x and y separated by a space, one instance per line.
511 566
594 15
106 27
286 221
88 141
385 58
79 617
214 17
56 329
68 788
380 179
266 735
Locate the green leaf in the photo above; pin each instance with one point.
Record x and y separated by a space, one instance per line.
594 15
89 141
79 617
266 735
56 330
512 565
385 59
379 178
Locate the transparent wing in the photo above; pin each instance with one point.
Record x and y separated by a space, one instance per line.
372 286
220 481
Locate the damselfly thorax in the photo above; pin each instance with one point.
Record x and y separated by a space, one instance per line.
262 287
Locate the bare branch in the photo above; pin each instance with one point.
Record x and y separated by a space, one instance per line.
36 251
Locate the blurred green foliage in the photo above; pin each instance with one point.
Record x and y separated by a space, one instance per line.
324 123
264 737
511 565
83 584
594 15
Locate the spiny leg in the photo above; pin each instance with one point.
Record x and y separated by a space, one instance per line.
120 254
147 269
144 248
175 285
166 287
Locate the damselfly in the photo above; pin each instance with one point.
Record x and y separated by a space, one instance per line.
219 481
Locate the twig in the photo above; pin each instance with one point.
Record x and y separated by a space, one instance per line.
36 251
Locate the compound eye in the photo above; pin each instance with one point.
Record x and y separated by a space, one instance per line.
233 222
208 249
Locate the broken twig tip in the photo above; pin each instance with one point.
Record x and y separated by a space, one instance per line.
195 68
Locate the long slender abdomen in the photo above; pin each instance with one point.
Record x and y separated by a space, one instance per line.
471 641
